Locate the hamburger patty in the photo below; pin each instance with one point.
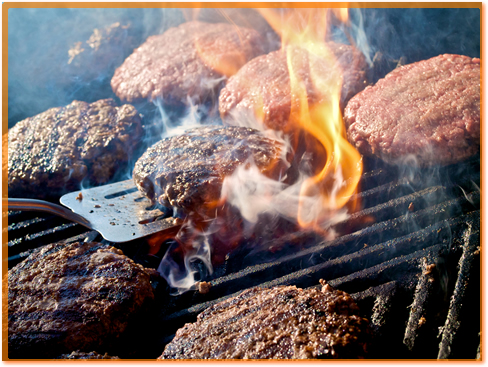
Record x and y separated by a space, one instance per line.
97 57
187 171
55 151
282 322
85 355
79 296
428 110
190 60
262 86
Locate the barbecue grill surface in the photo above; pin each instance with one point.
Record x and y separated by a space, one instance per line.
410 258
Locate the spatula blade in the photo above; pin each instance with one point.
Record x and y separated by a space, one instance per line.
118 211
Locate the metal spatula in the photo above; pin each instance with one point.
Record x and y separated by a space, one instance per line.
117 211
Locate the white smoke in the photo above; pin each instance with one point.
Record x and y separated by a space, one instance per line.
183 276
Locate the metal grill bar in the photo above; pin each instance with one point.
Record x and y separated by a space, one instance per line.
398 257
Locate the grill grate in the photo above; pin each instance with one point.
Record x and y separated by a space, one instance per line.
410 258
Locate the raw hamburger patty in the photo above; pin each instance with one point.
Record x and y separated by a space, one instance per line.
187 171
282 322
55 151
262 86
190 60
72 297
429 110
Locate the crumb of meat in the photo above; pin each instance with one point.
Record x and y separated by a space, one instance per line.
204 287
429 269
422 321
75 51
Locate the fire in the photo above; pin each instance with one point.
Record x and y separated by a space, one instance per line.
254 205
305 31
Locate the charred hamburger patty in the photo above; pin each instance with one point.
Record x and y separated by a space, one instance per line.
190 60
55 151
72 297
187 171
262 86
282 322
428 110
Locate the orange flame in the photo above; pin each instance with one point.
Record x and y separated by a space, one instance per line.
305 30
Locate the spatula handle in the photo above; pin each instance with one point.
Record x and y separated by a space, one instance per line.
44 206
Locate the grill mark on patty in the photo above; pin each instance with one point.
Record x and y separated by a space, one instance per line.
82 294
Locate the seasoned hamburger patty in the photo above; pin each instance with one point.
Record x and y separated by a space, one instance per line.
72 297
99 55
282 322
428 110
57 150
187 171
262 86
85 355
190 60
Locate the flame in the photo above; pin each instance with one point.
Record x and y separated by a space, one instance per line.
253 201
342 14
304 32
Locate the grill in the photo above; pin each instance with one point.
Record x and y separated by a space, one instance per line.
410 258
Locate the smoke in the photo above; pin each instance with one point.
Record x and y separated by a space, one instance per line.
259 199
421 33
40 75
194 115
256 196
178 264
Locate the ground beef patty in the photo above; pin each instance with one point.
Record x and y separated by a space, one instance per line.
72 297
428 110
262 86
190 60
99 55
85 355
187 171
282 322
57 150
